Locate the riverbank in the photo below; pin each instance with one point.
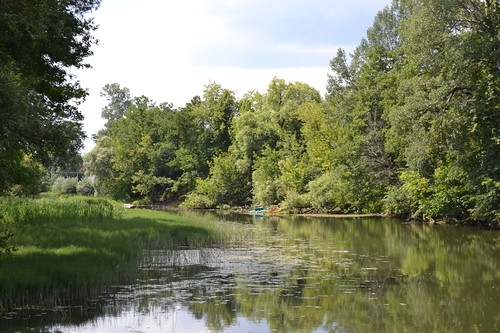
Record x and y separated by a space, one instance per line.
65 251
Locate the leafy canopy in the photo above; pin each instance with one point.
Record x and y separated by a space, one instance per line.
41 42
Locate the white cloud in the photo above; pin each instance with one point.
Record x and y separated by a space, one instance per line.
169 50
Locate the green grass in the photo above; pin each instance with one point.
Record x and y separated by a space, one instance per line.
71 249
40 211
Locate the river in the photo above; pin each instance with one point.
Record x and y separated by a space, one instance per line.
303 274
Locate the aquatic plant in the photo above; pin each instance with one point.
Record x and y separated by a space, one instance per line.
41 211
71 249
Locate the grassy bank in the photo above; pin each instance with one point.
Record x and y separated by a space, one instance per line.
67 250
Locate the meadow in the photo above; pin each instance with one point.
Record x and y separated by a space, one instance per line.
63 251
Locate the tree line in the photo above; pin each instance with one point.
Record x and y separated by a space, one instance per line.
408 126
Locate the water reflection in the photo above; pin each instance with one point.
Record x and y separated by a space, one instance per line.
307 275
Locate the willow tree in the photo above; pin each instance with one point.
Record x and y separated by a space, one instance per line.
282 170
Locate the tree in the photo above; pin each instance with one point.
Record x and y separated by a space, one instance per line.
267 187
281 166
445 124
118 102
228 182
213 118
39 43
253 129
99 166
141 150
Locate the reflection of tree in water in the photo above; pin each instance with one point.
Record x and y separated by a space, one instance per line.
218 311
338 275
364 276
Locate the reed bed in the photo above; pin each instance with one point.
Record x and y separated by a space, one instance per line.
70 250
40 211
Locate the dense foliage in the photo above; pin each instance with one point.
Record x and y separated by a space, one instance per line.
409 126
40 124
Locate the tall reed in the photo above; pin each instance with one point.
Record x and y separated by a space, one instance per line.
40 211
68 250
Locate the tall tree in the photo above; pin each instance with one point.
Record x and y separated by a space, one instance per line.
282 166
213 117
359 91
443 124
118 102
142 149
99 166
40 41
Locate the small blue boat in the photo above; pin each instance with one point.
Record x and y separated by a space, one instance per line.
258 210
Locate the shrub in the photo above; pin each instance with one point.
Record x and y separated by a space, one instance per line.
411 198
398 203
5 248
268 192
487 204
85 187
197 200
65 185
329 191
295 200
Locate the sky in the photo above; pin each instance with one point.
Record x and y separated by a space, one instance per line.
170 50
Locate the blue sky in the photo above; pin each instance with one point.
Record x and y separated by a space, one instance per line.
169 50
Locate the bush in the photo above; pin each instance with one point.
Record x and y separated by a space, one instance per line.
85 187
295 201
268 192
451 193
487 204
329 191
196 200
29 181
65 185
398 203
5 248
141 202
411 198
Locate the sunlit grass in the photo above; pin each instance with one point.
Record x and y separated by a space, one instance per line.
71 249
39 211
173 230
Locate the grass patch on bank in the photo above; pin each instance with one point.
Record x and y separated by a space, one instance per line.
68 250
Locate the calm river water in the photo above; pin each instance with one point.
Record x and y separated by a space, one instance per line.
305 275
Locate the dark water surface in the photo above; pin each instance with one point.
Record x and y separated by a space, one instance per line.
304 275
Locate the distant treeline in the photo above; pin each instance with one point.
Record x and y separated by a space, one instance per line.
409 126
